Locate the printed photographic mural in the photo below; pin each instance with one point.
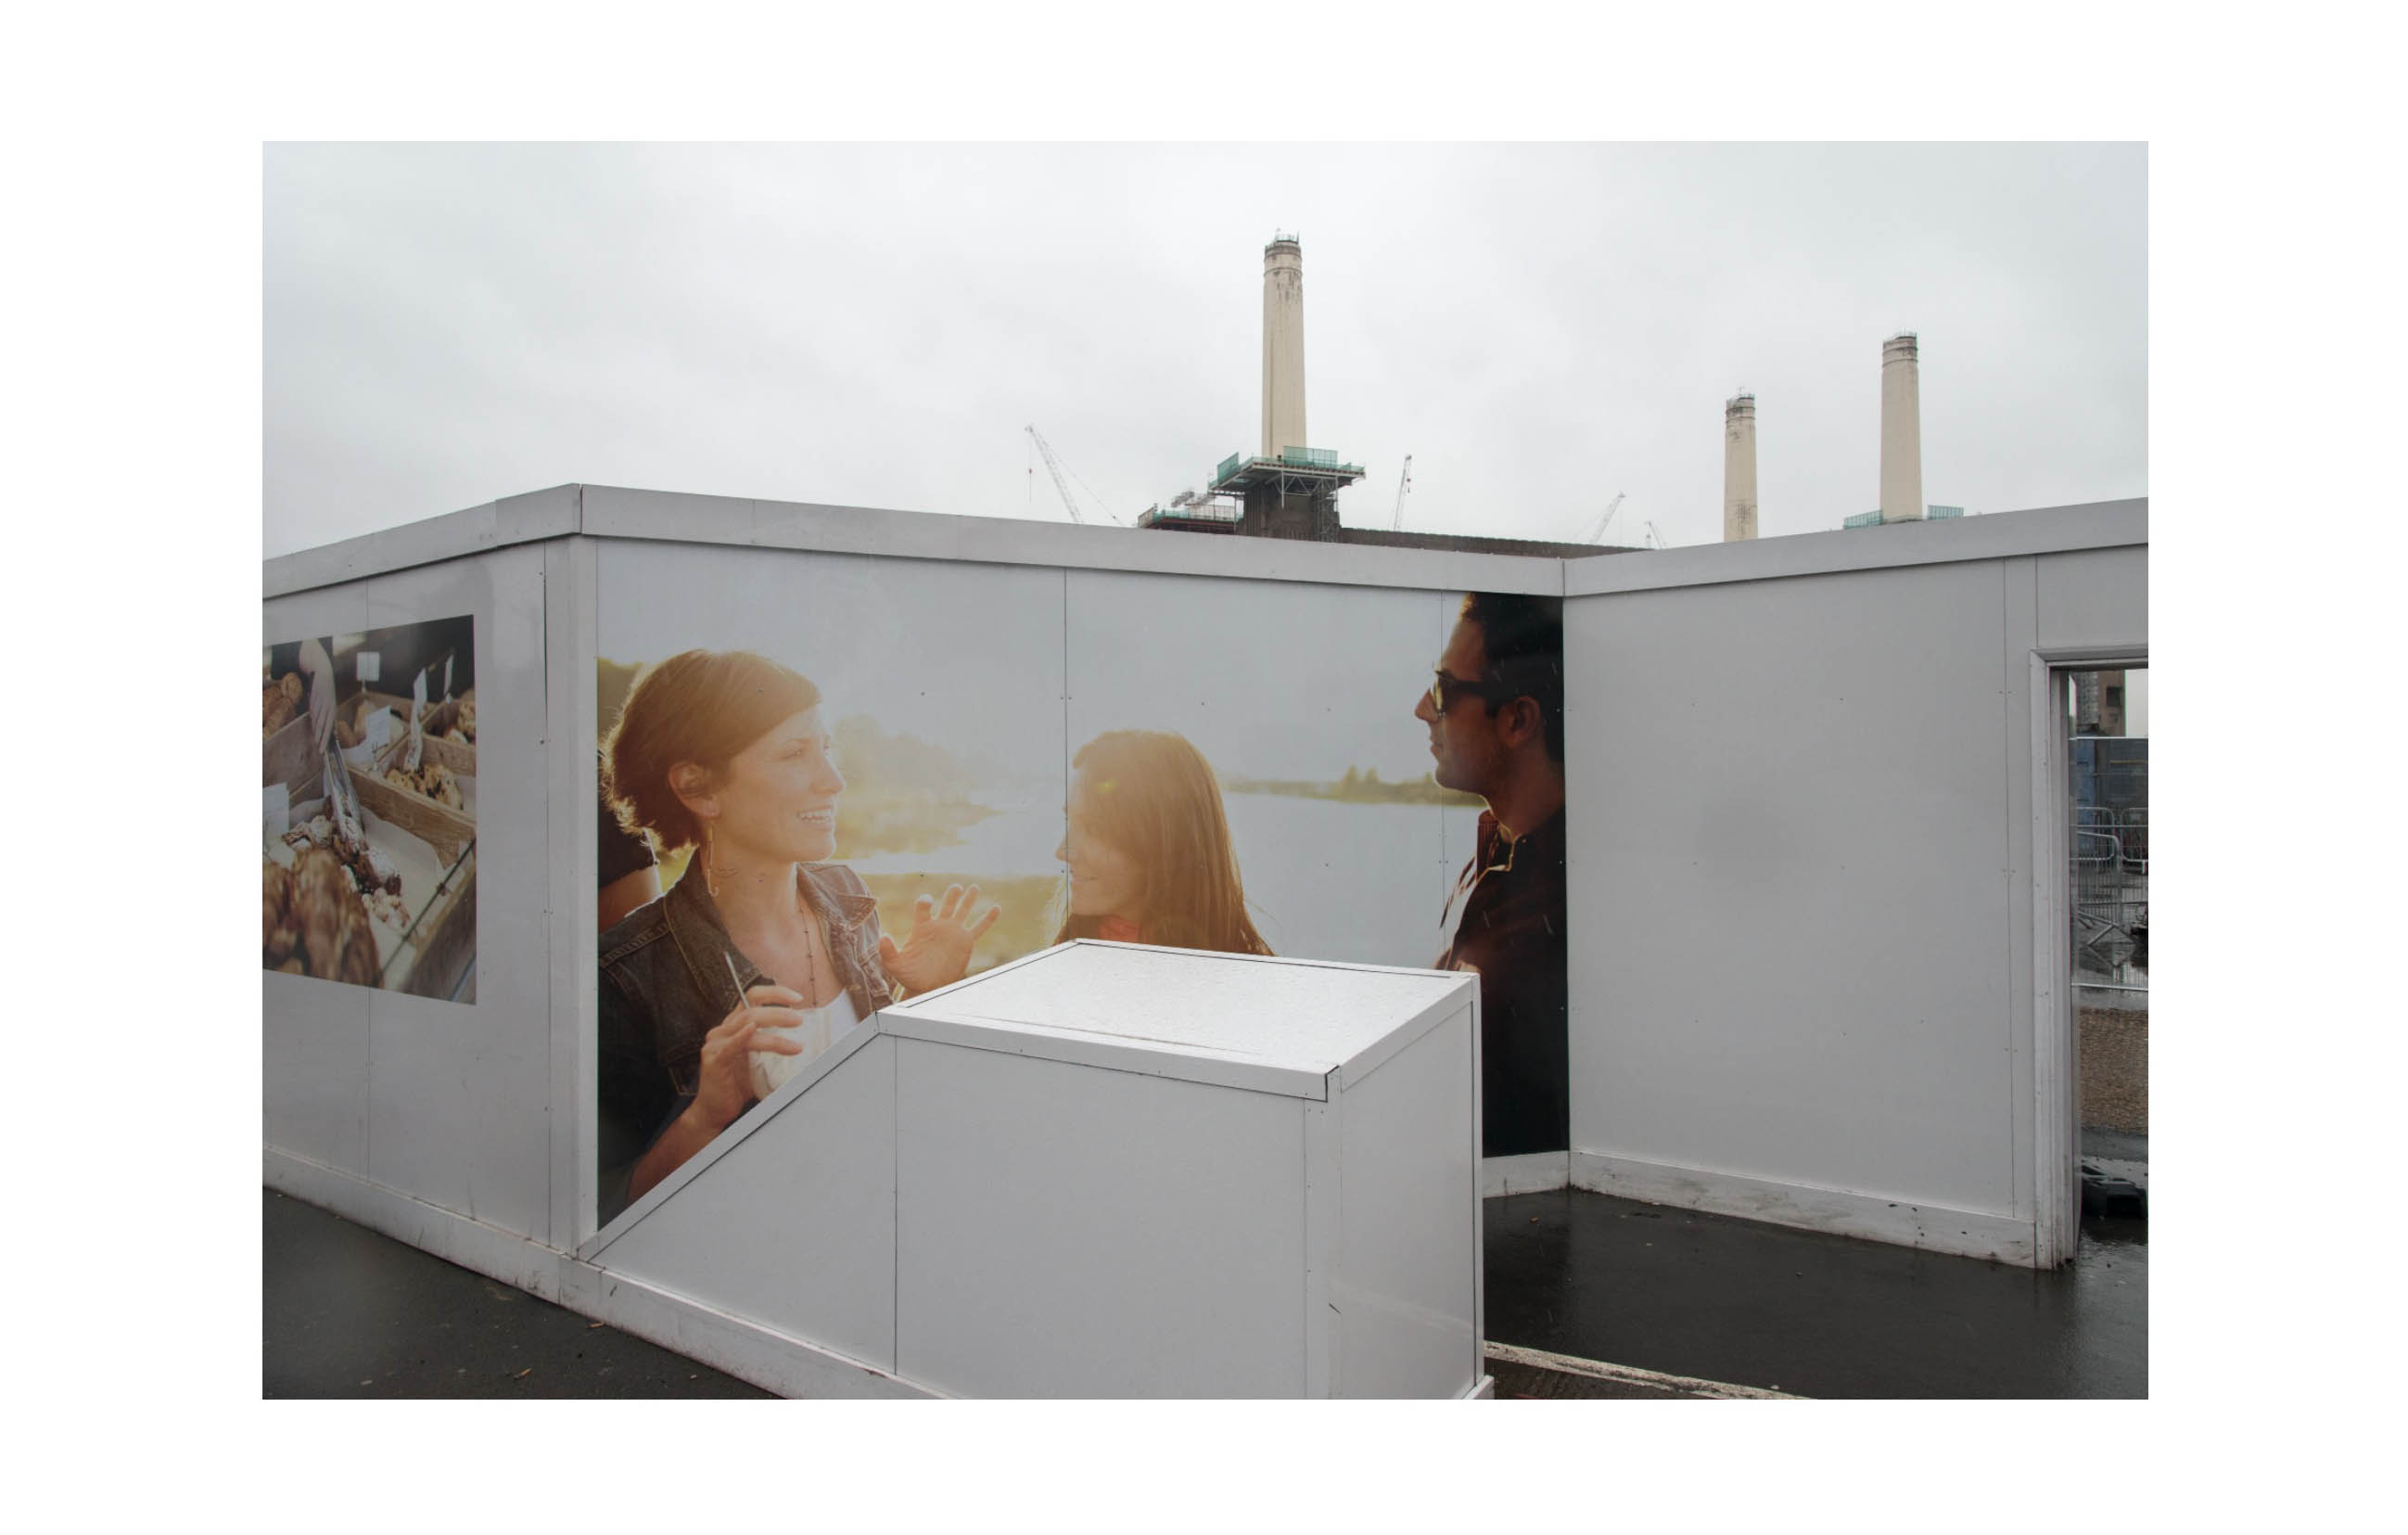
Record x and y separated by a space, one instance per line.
368 808
831 781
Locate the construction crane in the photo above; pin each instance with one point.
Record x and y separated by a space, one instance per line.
1404 483
1061 480
1599 532
1654 539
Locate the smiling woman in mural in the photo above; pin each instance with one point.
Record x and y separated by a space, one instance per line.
763 954
1148 848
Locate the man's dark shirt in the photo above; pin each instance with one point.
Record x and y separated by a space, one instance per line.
1511 929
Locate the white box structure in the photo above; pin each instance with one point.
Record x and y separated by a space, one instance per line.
1110 1171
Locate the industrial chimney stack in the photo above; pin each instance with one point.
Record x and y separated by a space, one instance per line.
1284 346
1738 469
1901 448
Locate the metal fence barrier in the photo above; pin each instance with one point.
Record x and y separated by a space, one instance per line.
2111 896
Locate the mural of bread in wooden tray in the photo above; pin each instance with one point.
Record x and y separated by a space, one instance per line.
373 883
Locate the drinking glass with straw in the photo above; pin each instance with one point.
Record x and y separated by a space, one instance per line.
742 995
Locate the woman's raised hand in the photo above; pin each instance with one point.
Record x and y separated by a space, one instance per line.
725 1087
937 952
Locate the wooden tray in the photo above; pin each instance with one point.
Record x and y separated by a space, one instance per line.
289 757
439 826
395 749
460 756
445 938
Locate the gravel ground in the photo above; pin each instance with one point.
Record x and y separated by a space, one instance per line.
2115 1068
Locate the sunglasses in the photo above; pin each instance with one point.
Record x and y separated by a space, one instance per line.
1445 687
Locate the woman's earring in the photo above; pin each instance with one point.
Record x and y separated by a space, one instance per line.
710 865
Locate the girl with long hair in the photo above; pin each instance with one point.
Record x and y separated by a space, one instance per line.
1148 848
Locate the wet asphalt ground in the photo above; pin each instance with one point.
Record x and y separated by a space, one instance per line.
1809 1314
349 1312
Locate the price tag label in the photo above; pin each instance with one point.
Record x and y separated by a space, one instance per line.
446 676
276 808
369 666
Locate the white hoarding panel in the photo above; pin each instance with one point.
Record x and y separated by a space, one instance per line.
1792 885
419 1062
1296 702
1380 773
830 780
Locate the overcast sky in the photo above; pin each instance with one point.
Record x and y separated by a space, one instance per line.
1539 327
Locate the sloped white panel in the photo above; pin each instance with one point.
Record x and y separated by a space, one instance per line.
793 1226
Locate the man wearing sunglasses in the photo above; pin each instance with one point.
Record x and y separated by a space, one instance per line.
1495 717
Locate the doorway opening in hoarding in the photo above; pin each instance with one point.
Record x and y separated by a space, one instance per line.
2102 719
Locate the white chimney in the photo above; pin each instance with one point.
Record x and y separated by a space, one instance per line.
1738 469
1284 345
1901 448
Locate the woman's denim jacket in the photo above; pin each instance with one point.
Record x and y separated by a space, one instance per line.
665 984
